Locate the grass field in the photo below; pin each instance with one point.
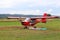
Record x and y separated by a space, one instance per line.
52 33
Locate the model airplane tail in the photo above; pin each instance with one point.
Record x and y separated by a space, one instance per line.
44 18
45 15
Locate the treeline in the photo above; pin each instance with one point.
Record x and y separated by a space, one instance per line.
18 15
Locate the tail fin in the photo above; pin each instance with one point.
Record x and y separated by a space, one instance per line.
44 18
45 15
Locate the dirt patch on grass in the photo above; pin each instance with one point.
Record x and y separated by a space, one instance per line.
20 27
10 27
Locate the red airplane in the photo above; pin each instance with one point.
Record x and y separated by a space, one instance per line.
33 21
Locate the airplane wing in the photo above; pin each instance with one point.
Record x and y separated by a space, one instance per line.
51 17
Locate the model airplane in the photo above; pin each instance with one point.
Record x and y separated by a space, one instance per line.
33 21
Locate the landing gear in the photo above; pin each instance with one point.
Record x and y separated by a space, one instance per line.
25 27
35 27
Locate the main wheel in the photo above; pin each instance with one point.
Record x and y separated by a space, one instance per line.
35 27
25 27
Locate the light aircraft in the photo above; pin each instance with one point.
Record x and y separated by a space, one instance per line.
33 21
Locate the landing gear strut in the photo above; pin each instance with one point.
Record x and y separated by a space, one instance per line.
25 27
34 26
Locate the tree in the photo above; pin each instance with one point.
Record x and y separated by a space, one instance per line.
48 14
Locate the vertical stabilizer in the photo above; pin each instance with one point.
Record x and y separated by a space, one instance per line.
45 15
44 18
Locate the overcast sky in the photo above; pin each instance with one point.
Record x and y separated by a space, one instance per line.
34 7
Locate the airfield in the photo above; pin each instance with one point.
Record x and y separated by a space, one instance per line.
11 29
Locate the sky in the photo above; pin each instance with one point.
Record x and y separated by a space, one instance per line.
27 7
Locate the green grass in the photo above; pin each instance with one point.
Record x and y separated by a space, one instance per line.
53 24
11 23
53 32
29 35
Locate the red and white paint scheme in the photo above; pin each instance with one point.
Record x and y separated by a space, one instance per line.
32 21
